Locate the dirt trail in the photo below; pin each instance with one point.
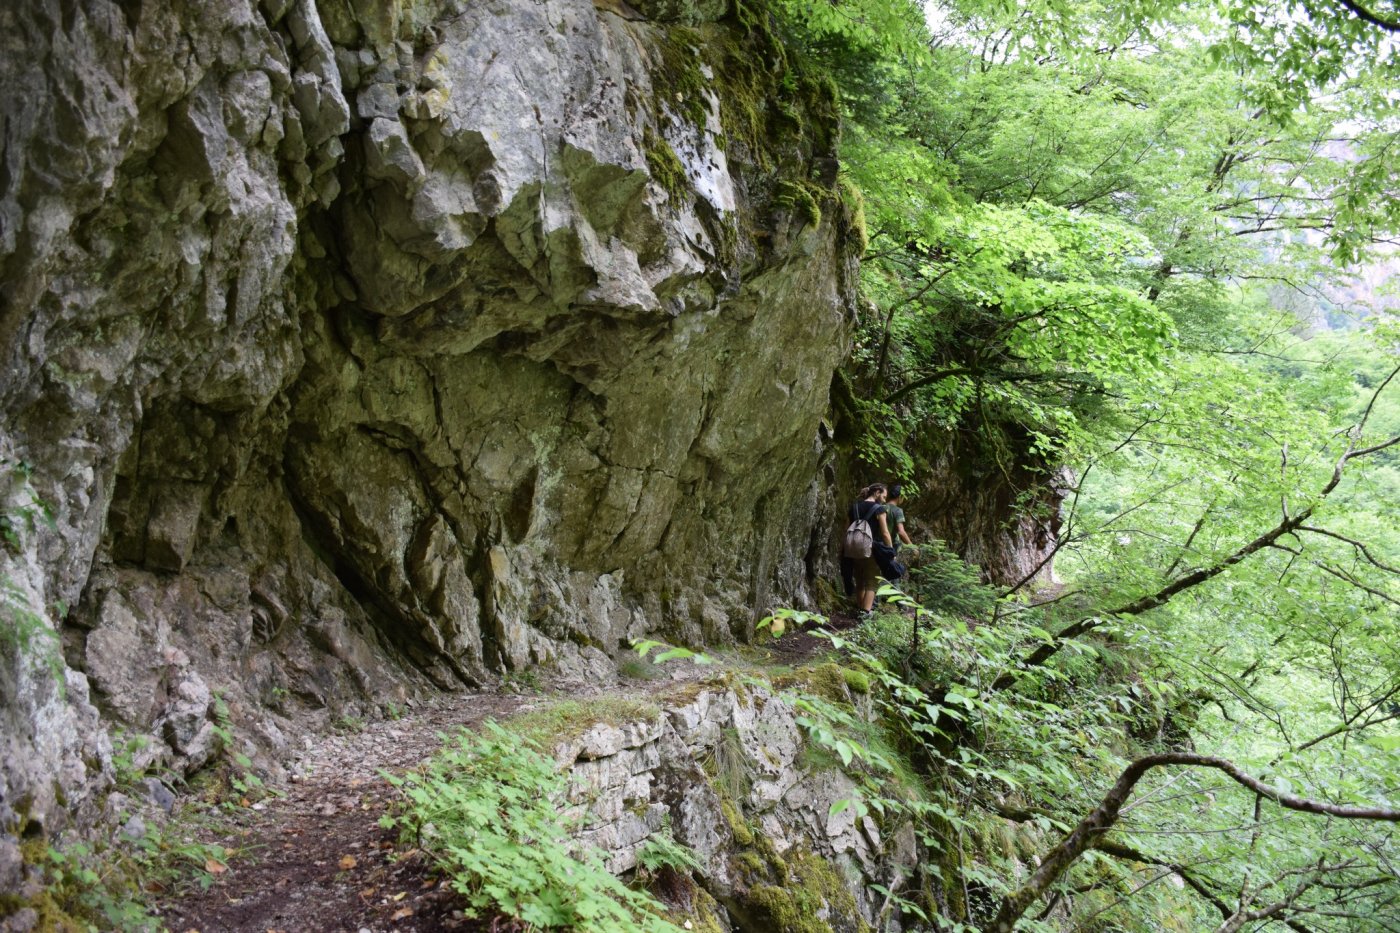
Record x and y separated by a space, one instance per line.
316 859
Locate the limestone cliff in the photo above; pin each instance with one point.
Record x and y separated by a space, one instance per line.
352 348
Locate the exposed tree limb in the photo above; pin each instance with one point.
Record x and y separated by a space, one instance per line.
1102 818
895 306
1000 375
1340 575
1119 851
1367 16
1202 885
1370 558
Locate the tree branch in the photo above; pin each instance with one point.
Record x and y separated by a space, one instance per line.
1102 818
1354 543
1369 17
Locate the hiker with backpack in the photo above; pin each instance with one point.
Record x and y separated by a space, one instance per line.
867 526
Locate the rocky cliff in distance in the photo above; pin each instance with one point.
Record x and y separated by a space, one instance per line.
354 349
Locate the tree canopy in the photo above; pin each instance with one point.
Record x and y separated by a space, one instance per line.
1126 246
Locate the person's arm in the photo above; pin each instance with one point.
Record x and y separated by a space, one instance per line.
903 535
884 529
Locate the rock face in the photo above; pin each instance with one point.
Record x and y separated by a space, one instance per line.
357 348
721 770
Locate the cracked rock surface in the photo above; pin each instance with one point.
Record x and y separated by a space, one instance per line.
358 351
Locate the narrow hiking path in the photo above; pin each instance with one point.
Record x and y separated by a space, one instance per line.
315 858
312 858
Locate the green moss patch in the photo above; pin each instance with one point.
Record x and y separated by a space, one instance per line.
665 166
743 835
827 681
569 719
703 916
802 198
854 203
858 682
814 888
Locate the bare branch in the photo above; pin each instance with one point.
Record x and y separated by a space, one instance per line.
1340 575
1269 539
1372 560
1102 818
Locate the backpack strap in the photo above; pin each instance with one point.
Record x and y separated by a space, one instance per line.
867 516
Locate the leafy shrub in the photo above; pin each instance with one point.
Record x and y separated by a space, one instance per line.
484 808
104 883
947 585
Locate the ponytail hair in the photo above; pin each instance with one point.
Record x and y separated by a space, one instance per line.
870 490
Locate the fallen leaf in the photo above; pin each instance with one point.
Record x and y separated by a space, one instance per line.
400 896
214 866
347 863
401 913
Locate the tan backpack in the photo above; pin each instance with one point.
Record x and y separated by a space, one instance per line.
860 540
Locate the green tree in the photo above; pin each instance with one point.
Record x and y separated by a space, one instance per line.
1081 221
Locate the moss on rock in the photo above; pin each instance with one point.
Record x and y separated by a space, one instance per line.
854 203
802 198
858 682
665 166
814 900
753 866
680 84
703 915
743 835
827 681
569 719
